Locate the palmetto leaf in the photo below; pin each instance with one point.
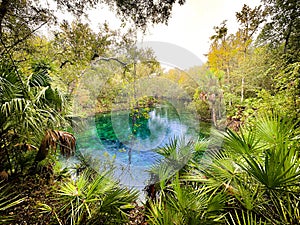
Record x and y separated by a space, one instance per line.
41 94
177 153
6 89
39 79
277 171
168 149
266 151
14 106
183 205
245 142
91 199
275 129
244 218
8 199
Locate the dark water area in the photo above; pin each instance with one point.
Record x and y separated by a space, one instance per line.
130 138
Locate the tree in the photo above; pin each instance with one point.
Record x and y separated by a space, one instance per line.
284 25
20 19
145 11
75 46
116 80
229 51
218 58
222 57
249 20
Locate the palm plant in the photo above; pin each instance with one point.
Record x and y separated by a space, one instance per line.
258 169
278 165
28 107
182 204
8 199
178 154
179 201
92 199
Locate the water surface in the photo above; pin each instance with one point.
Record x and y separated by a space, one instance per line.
131 140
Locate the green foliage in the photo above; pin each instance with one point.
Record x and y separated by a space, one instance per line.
246 218
283 26
181 204
252 179
19 20
29 105
258 169
91 199
202 108
177 154
8 199
258 75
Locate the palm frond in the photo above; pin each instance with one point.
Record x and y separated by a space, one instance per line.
244 218
8 199
274 129
94 199
65 140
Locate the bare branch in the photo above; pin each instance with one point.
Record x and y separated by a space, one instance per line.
111 59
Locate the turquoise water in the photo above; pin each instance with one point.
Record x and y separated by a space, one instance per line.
130 140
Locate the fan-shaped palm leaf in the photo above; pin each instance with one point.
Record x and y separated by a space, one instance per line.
92 199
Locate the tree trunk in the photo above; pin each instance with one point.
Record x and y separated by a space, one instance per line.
3 10
242 90
214 115
287 38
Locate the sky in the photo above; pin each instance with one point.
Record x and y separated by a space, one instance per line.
190 26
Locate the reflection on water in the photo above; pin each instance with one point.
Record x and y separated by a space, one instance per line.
132 139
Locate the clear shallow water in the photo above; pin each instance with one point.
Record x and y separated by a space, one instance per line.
131 141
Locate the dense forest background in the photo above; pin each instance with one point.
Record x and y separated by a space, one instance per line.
249 89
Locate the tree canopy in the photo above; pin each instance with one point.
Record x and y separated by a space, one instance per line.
283 26
19 19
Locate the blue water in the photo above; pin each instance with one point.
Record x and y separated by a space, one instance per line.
130 141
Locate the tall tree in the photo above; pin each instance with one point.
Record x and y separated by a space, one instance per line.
282 34
218 56
229 51
75 45
283 26
249 20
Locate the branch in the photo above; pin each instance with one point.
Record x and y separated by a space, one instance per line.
65 62
94 62
8 48
111 59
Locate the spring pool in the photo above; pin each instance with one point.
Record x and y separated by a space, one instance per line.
130 138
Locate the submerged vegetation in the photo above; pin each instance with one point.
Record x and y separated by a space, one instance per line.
247 172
